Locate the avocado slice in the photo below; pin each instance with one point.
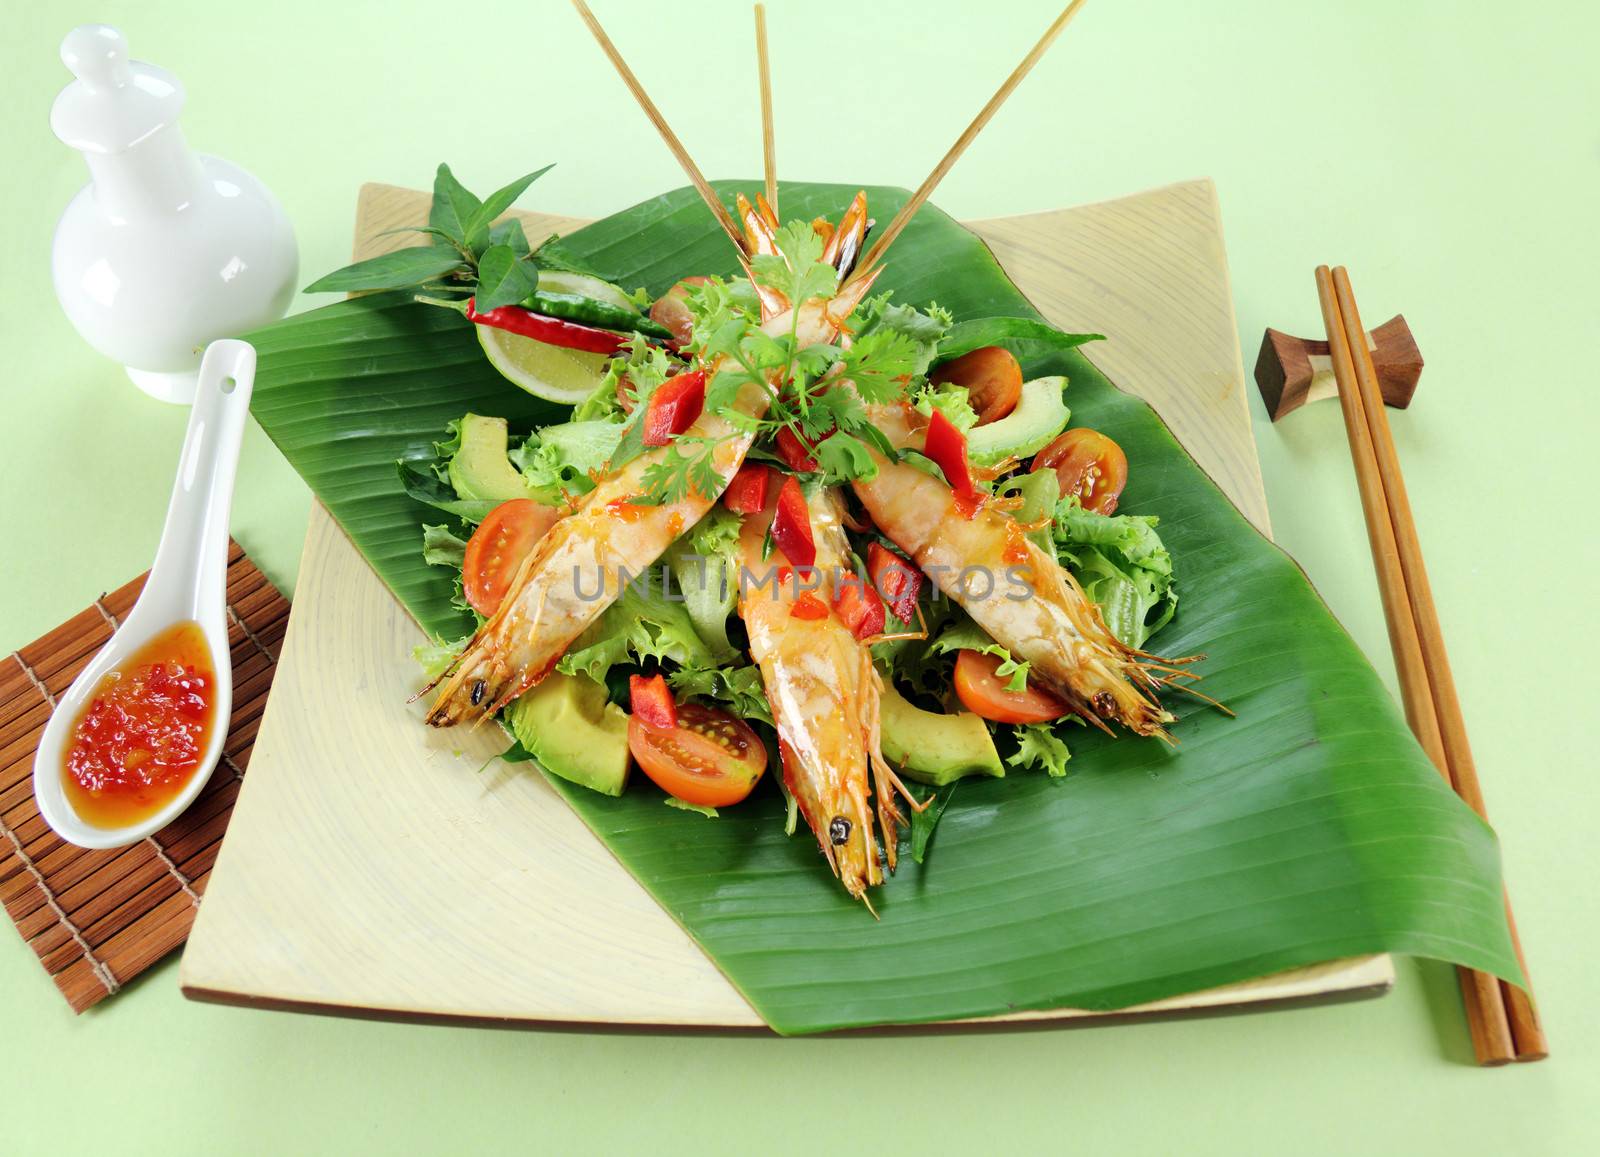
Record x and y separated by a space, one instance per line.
480 469
1040 415
935 749
571 729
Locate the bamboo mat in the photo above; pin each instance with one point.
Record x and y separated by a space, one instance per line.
97 919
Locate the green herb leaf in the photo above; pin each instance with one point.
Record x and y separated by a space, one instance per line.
844 458
510 232
452 206
414 265
504 278
923 822
688 467
477 225
967 336
423 484
552 254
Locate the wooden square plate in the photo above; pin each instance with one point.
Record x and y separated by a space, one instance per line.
377 868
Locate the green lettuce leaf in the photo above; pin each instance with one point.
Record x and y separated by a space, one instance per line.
1038 746
558 460
643 625
965 635
704 566
441 546
685 805
740 688
1122 565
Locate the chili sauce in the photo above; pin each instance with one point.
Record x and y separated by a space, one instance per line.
142 736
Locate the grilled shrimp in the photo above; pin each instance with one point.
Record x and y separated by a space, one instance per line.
1012 588
582 563
824 692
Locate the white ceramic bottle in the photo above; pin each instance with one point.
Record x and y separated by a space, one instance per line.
164 250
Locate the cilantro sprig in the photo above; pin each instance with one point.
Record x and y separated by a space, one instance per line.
888 350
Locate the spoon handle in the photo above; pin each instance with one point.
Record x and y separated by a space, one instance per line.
193 555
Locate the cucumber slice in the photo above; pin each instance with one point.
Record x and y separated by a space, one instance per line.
1040 415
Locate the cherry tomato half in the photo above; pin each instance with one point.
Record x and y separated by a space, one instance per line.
992 378
497 548
710 758
984 693
1089 465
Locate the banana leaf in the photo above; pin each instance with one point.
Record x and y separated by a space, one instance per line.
1308 828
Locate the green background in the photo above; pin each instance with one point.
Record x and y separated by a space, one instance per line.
1449 153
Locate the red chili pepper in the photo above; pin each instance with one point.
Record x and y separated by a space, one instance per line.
674 406
652 701
809 606
550 330
747 493
793 450
791 525
860 608
896 580
947 446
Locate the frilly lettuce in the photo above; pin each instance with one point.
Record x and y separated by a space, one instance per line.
1122 565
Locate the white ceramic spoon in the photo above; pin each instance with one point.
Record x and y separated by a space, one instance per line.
187 583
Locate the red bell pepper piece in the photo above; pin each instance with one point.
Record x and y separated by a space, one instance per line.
791 525
860 608
793 450
808 606
747 493
674 406
947 446
550 330
896 580
652 701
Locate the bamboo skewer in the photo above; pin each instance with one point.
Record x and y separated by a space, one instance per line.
1413 629
696 178
1527 1032
769 152
925 190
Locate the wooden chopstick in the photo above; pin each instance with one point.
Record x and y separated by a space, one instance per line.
769 153
696 178
1526 1030
925 190
1500 1017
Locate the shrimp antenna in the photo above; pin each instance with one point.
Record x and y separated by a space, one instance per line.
769 154
925 190
696 178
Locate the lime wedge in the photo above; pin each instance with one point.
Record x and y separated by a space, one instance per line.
582 285
545 371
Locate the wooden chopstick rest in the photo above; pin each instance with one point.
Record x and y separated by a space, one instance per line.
1291 371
